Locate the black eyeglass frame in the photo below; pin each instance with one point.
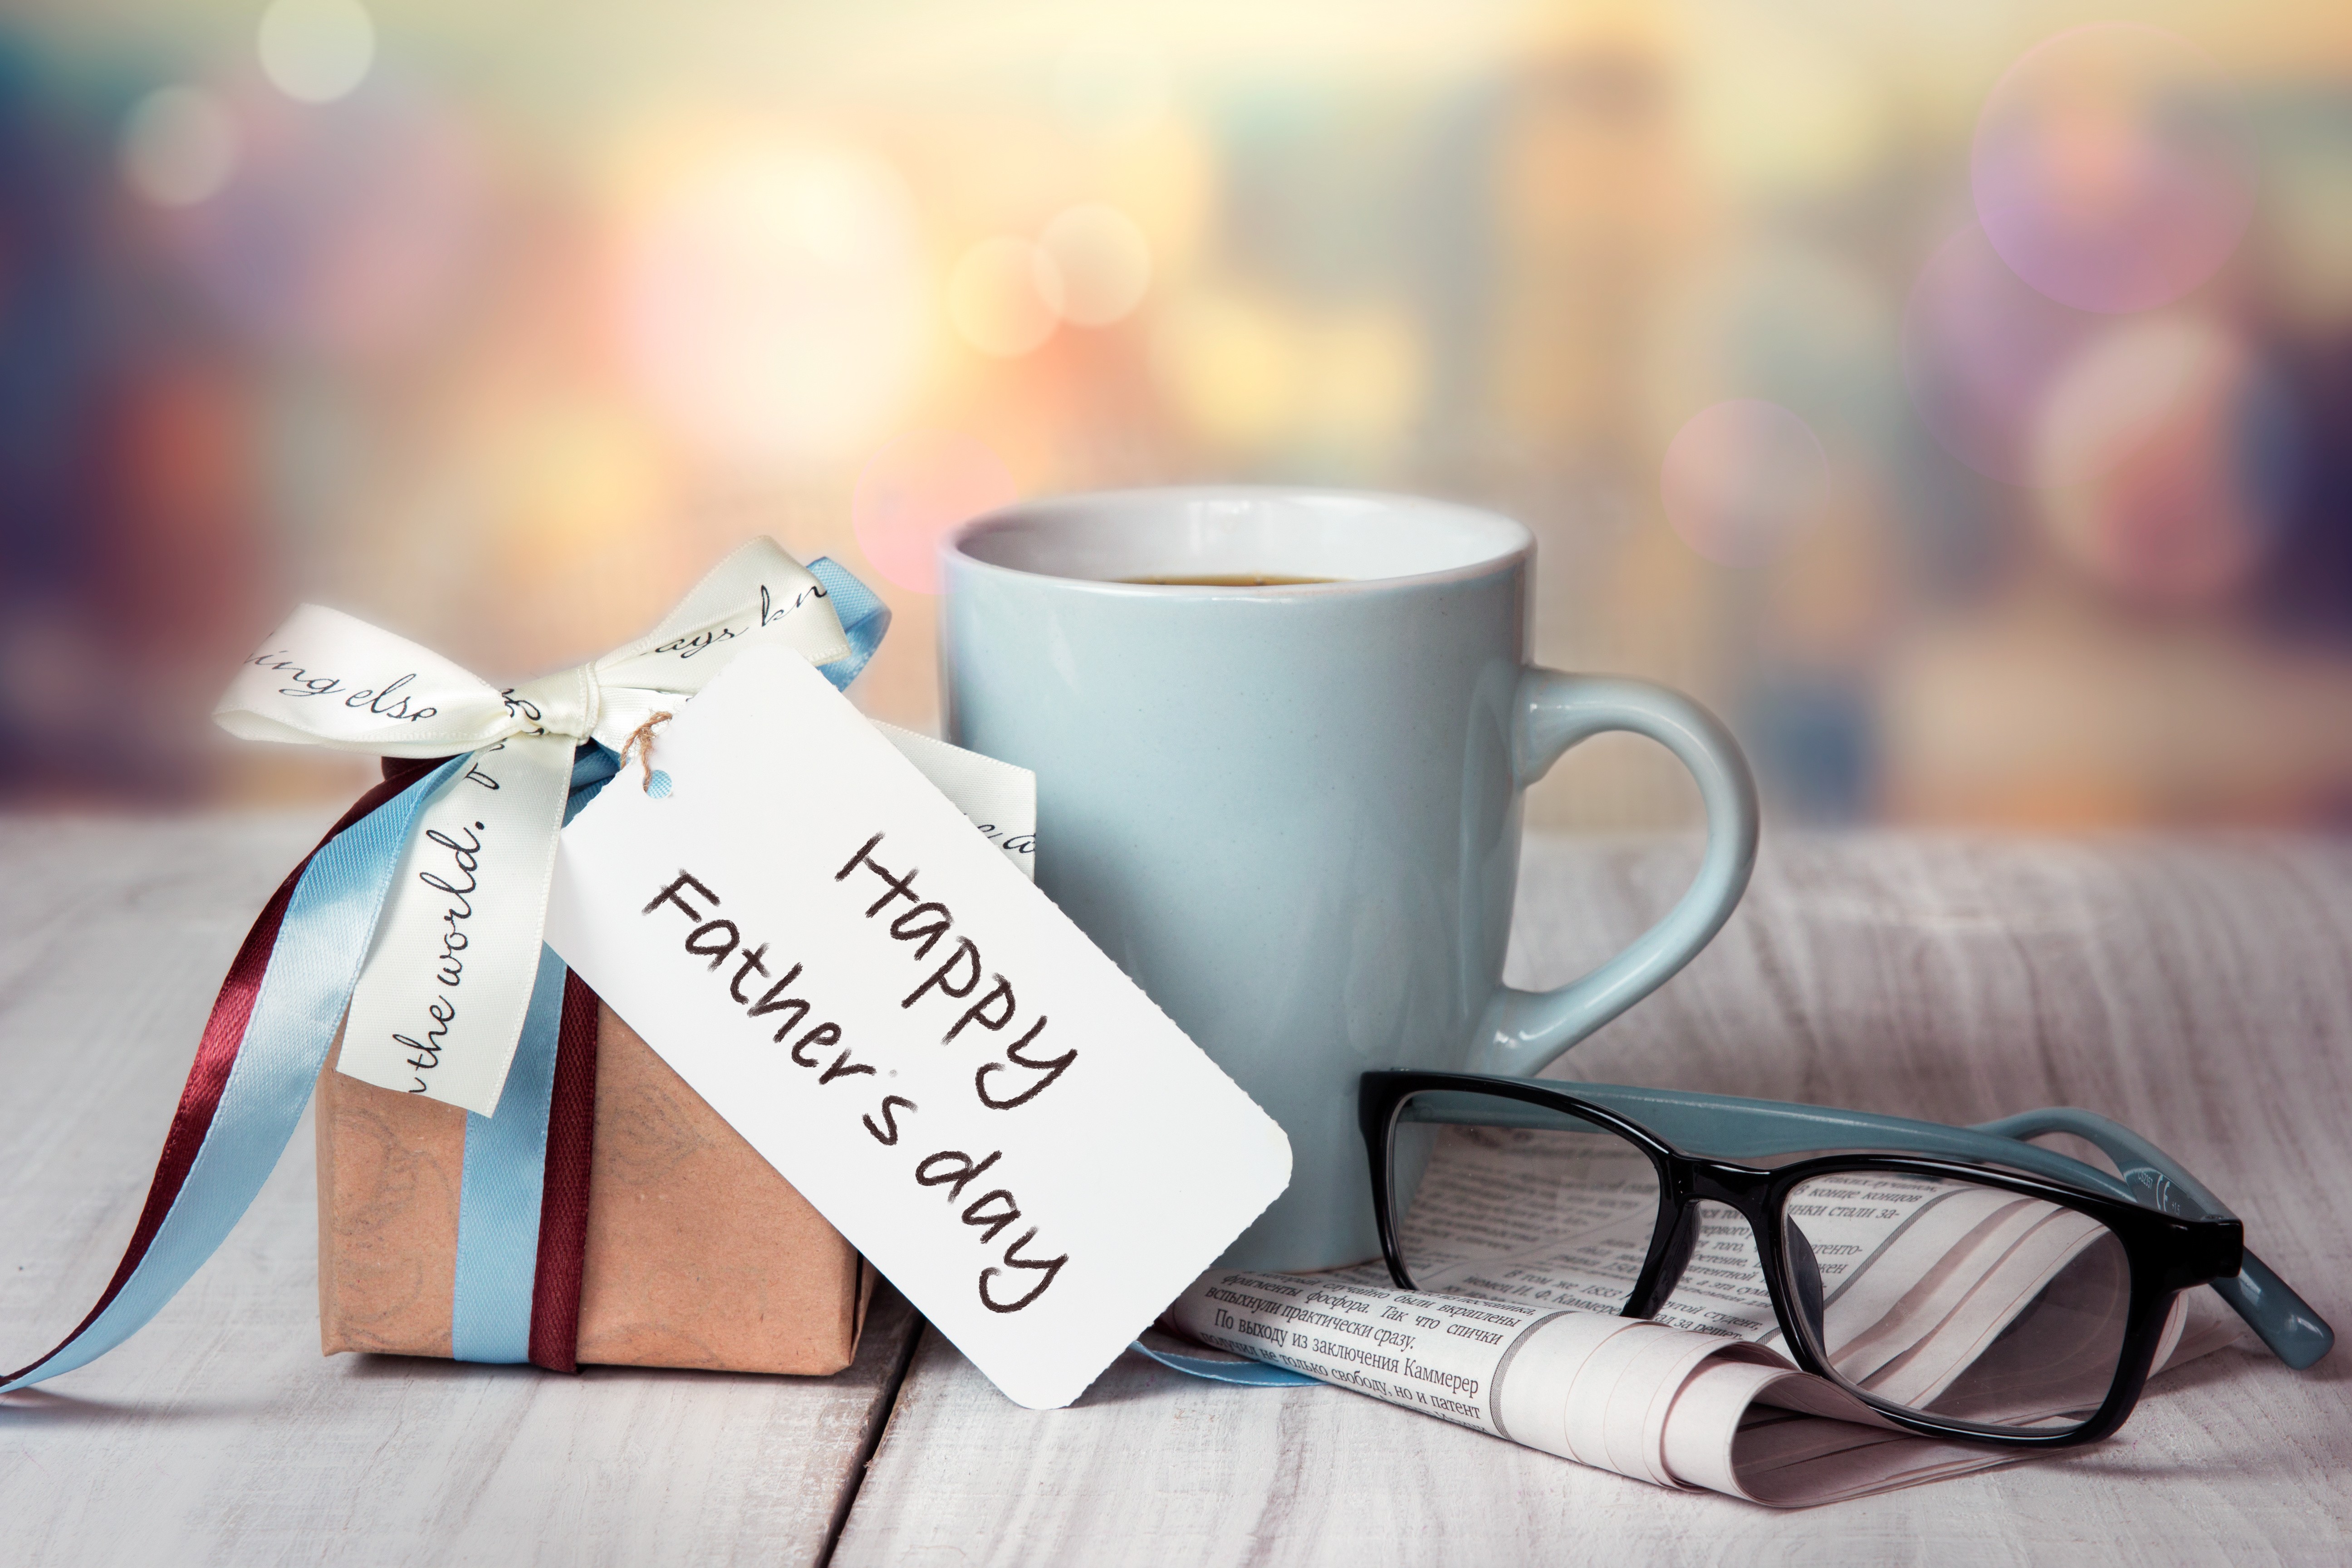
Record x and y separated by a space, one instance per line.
2166 1253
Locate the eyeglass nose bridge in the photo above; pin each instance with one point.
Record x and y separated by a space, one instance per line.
1741 1187
1690 1182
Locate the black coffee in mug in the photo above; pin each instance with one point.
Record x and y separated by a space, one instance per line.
1230 579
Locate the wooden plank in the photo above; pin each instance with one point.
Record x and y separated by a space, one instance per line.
220 1434
2199 991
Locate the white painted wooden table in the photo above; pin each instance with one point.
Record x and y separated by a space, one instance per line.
2200 991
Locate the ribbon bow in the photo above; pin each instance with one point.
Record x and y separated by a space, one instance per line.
441 1001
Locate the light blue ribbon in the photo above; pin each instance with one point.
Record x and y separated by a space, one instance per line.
1251 1373
321 943
497 1204
864 618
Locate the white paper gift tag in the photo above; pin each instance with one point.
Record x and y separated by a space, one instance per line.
819 943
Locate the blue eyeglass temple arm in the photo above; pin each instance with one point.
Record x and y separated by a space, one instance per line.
1736 1128
2296 1333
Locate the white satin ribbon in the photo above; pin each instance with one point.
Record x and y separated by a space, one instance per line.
440 1003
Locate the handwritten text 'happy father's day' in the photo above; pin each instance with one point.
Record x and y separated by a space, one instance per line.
813 1041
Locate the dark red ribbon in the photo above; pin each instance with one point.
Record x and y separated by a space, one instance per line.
563 1215
563 1196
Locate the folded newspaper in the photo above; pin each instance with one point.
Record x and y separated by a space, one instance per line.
1921 1280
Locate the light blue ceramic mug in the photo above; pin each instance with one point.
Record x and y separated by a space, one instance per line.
1291 813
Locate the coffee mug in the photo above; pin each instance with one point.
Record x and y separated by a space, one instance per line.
1290 812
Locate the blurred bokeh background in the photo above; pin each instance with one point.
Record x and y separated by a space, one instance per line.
1955 396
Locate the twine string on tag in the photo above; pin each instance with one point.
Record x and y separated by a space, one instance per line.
641 740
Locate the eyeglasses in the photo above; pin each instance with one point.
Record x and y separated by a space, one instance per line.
1963 1282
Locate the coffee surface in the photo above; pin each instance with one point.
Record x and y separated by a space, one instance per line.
1230 579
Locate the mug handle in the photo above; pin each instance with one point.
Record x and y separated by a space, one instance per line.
1522 1032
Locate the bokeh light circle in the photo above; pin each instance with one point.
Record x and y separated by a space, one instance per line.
914 491
1004 296
771 296
1102 262
316 51
2191 507
1979 350
178 147
2117 391
2113 167
1742 480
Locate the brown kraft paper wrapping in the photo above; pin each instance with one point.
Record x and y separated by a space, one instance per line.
698 1254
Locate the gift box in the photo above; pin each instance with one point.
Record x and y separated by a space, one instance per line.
507 1171
696 1253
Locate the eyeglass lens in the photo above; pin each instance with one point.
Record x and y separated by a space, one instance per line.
1945 1298
1957 1300
1496 1197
